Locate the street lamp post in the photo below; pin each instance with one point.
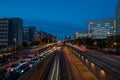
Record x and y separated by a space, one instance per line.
15 44
115 47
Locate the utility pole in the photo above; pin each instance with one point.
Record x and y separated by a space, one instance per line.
15 40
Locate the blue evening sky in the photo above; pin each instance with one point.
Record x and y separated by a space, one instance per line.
59 17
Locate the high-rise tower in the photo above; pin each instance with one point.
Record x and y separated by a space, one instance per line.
118 18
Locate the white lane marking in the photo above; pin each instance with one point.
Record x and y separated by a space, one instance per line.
53 70
57 70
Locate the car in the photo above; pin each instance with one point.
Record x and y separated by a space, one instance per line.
22 62
30 57
13 67
32 63
36 60
22 69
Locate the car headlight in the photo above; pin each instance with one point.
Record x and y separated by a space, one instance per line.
22 71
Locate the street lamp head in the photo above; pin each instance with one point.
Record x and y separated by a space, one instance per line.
115 43
108 32
15 39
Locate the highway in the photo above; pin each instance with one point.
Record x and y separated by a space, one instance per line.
76 68
66 66
54 72
109 64
110 57
10 68
60 63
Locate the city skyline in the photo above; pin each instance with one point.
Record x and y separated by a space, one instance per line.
60 39
58 17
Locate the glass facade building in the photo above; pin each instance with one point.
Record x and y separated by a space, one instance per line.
100 29
118 18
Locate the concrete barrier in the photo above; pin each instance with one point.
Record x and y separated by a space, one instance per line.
100 69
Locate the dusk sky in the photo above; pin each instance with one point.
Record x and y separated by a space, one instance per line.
59 17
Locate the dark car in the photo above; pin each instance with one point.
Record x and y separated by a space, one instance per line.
24 68
32 63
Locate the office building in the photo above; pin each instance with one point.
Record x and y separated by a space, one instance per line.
11 30
29 33
4 32
81 34
16 31
25 34
100 29
118 18
32 33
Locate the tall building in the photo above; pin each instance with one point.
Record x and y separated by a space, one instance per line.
32 33
29 33
99 29
16 31
25 34
118 18
10 30
4 32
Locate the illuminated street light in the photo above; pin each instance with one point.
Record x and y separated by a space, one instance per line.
115 47
95 43
115 43
15 44
108 32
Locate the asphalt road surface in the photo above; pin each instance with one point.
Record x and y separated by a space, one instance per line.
66 66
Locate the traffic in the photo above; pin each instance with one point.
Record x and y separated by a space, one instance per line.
27 63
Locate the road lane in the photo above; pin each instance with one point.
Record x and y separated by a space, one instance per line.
110 57
54 72
77 69
64 71
62 65
111 65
